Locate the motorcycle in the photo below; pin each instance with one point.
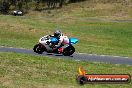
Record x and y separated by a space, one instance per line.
48 44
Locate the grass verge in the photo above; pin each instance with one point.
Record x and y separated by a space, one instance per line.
20 70
95 36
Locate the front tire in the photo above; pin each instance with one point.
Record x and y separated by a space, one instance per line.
68 50
38 49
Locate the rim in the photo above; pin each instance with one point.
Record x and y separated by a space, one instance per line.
38 49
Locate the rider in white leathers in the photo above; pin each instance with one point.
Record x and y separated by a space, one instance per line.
62 40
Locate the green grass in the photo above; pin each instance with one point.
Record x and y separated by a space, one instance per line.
20 70
95 36
90 21
98 8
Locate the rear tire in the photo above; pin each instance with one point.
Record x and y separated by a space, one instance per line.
38 49
68 50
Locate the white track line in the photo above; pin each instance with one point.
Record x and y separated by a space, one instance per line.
102 55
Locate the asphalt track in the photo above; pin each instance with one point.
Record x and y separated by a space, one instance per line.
76 56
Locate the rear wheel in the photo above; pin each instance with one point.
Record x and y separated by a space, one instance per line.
38 49
68 50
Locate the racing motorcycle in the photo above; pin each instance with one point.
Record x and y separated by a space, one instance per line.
48 44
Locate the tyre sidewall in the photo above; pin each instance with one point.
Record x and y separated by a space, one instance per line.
38 49
67 49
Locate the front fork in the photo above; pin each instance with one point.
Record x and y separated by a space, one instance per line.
62 47
41 46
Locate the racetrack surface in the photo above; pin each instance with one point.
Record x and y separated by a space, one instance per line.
75 56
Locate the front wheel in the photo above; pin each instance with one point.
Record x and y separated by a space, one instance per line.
68 50
38 49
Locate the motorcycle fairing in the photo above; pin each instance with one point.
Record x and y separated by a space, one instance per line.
54 40
73 40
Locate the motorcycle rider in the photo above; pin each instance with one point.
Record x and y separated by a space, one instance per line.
59 36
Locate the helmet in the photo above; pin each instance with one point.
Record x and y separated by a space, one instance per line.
57 33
